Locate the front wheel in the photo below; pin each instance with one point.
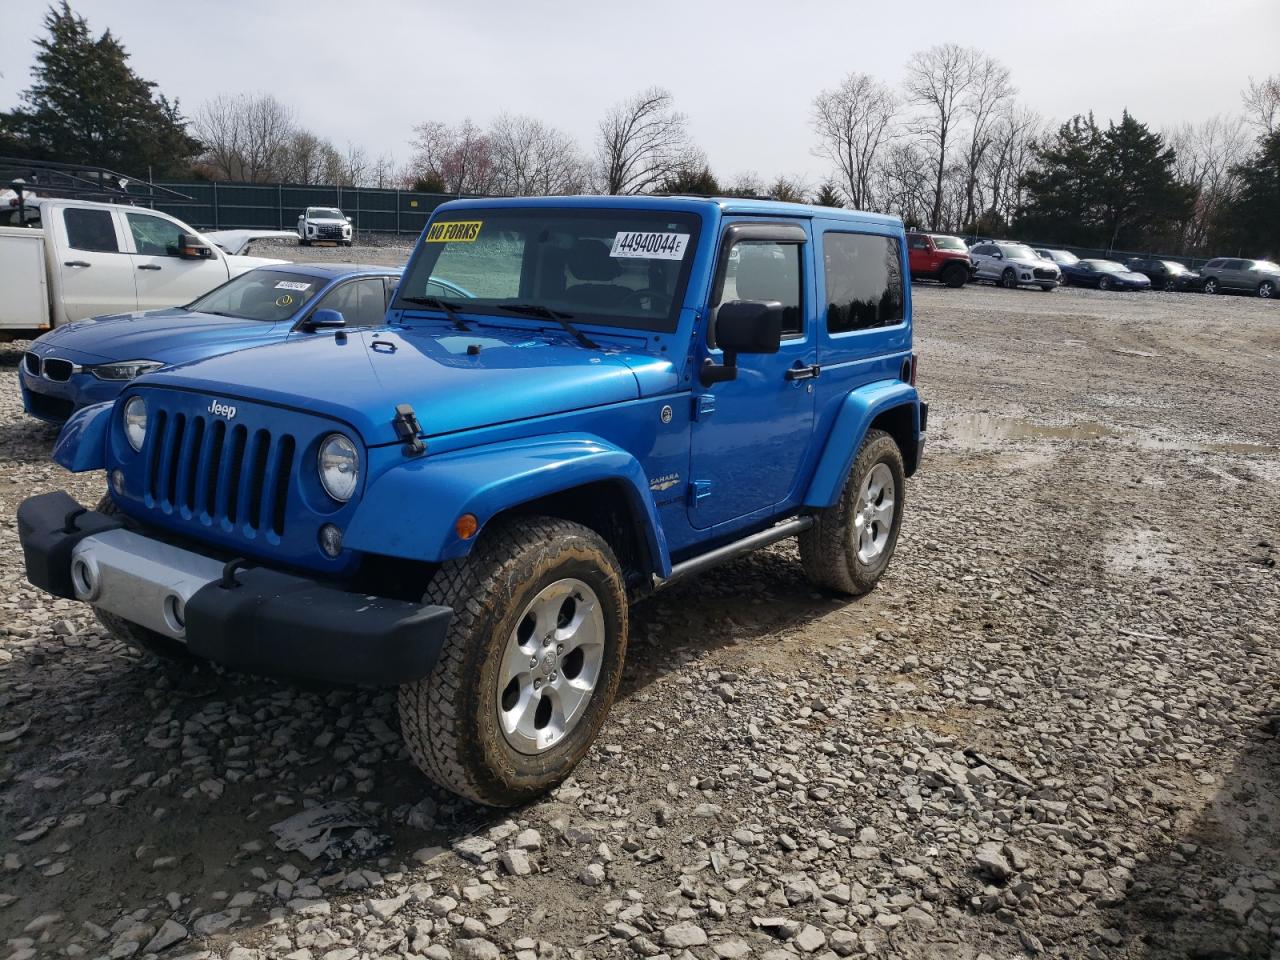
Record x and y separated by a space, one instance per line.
1009 279
530 664
1267 289
1210 286
1048 287
1170 286
850 544
1104 283
955 276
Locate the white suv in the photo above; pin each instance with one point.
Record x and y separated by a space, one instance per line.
323 225
1012 265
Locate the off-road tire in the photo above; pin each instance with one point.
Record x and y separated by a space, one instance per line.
1211 286
955 276
128 632
449 719
828 551
1009 279
1267 289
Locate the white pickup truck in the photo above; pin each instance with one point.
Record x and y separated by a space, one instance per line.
87 259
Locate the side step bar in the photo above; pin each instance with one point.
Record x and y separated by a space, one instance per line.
729 551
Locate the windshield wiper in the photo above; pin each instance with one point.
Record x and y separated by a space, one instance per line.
560 317
448 309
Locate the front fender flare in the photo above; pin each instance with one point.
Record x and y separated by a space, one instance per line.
853 420
410 510
82 444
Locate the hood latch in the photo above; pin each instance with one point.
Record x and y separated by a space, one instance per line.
407 429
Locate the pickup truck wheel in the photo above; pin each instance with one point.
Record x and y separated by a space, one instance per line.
129 633
849 546
529 667
955 276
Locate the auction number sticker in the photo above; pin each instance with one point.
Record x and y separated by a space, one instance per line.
454 231
293 285
649 246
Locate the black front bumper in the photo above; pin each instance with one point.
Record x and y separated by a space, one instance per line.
255 618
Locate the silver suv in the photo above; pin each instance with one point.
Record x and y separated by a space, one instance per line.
1260 277
1012 265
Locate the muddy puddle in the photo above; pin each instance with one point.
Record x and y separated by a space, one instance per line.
981 430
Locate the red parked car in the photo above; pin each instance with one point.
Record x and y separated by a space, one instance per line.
936 256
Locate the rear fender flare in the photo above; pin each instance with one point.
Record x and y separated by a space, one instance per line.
857 411
82 444
410 511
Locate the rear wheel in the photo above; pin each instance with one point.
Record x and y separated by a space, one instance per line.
1267 289
850 544
1170 286
1210 285
955 275
1009 279
129 633
529 667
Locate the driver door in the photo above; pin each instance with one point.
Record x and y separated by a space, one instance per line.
751 435
162 277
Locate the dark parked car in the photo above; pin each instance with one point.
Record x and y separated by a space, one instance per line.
1104 275
1063 258
1165 274
1227 274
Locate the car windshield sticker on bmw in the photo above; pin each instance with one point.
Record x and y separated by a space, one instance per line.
292 285
456 231
649 246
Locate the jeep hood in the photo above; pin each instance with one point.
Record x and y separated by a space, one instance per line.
360 378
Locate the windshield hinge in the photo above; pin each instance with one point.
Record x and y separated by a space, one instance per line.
407 429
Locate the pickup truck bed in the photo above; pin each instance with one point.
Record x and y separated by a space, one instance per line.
24 295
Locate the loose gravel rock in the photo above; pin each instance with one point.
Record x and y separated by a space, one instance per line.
1052 730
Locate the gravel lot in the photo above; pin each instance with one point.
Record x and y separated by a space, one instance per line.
1052 731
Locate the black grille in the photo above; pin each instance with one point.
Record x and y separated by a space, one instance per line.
227 474
31 363
329 231
58 370
1043 273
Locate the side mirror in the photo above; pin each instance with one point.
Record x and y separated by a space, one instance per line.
743 326
324 320
348 219
997 255
191 247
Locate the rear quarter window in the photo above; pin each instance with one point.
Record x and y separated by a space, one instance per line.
864 281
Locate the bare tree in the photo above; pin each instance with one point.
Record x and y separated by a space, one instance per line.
1013 134
304 159
533 159
938 81
902 183
382 173
1207 155
853 121
355 166
461 157
990 90
245 137
1262 103
643 141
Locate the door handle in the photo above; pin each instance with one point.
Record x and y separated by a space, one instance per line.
76 263
803 373
148 266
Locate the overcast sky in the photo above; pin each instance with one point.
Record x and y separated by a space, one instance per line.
744 71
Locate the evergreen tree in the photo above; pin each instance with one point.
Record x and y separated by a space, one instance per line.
1060 185
828 195
1139 198
86 105
1251 224
692 181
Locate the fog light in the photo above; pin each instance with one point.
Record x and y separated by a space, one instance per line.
117 482
330 540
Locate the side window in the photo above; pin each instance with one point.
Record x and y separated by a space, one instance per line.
916 242
983 249
93 230
766 270
153 236
359 301
864 281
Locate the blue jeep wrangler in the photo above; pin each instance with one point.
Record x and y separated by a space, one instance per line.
574 402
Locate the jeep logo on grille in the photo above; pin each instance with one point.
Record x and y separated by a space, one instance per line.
222 410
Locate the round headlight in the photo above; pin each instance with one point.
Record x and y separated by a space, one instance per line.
339 465
135 422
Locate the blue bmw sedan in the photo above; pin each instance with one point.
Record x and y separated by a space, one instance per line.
90 361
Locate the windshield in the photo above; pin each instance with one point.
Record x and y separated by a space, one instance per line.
948 243
1016 251
266 295
1172 266
1107 266
325 213
1266 266
1062 256
610 267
